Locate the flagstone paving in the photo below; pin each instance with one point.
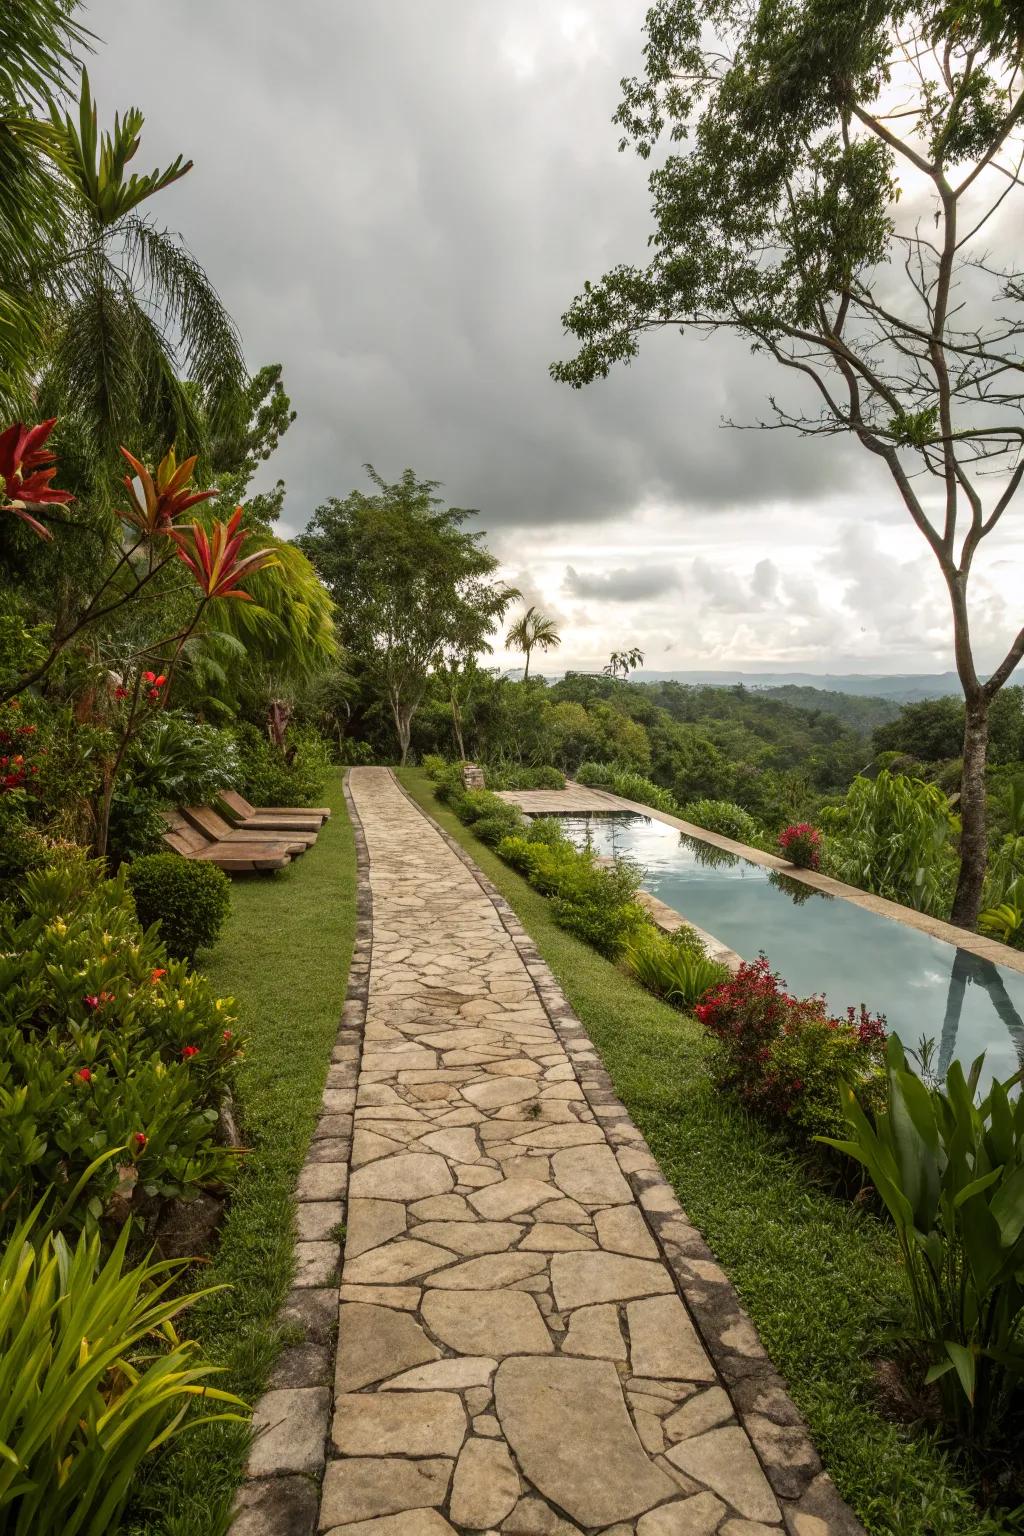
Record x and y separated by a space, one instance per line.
513 1351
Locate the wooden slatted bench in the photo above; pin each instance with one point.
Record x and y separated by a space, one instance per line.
234 858
268 819
216 829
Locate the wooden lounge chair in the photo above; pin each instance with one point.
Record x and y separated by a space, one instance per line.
235 858
217 830
270 817
284 819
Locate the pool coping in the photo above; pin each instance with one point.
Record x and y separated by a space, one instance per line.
961 938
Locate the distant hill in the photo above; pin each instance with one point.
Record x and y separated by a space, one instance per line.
904 688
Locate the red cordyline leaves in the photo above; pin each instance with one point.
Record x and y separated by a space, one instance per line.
165 496
26 469
213 558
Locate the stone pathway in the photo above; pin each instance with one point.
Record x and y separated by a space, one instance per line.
513 1351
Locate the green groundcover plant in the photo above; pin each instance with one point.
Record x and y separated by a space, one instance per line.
104 1043
93 1378
723 817
949 1168
675 968
630 785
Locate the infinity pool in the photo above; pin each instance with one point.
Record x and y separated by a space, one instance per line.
924 986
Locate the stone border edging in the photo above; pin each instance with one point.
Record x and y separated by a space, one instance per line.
810 1502
281 1493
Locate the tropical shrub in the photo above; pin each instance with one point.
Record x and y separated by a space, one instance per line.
723 817
92 1379
189 899
22 846
511 776
182 761
784 1056
1006 921
677 969
594 901
894 836
801 845
949 1169
546 829
434 766
105 1044
271 775
631 786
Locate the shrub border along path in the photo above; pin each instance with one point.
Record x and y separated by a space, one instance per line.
806 1493
819 1277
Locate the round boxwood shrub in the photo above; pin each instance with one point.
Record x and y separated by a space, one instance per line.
189 900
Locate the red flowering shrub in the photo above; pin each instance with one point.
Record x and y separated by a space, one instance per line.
784 1055
801 843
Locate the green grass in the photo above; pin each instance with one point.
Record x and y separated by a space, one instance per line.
284 958
819 1277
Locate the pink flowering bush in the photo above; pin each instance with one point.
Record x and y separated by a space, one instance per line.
801 844
784 1056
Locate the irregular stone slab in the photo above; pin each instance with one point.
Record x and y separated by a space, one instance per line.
696 1516
363 1488
487 1322
490 1272
470 1237
413 1522
497 1092
460 1146
664 1342
550 1410
590 1175
724 1460
510 1197
486 1485
532 1517
555 1237
374 1343
367 1146
443 1208
595 1332
289 1424
405 1297
447 1375
268 1504
370 1223
562 1210
622 1229
404 1176
406 1259
705 1411
582 1278
401 1423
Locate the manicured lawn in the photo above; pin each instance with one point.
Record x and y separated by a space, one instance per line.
284 958
818 1276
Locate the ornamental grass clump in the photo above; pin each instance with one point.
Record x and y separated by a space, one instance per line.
784 1056
676 968
592 900
93 1378
949 1168
725 818
106 1045
801 845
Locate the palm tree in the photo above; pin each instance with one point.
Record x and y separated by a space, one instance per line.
624 662
143 351
38 46
530 629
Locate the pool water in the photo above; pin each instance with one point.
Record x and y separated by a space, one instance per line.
924 986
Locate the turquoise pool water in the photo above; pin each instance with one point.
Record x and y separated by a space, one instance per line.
924 986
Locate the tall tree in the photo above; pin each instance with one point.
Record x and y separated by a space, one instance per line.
531 629
781 221
622 663
410 584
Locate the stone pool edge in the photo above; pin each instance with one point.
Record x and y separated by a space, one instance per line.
810 1502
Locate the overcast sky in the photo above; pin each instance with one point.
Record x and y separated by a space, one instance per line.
397 200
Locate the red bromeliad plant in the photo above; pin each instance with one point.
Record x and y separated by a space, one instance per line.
214 558
784 1056
26 469
165 495
801 843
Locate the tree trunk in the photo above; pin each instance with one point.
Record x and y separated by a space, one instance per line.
457 728
403 726
526 669
973 838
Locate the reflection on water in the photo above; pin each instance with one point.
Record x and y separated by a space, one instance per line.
924 986
798 891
